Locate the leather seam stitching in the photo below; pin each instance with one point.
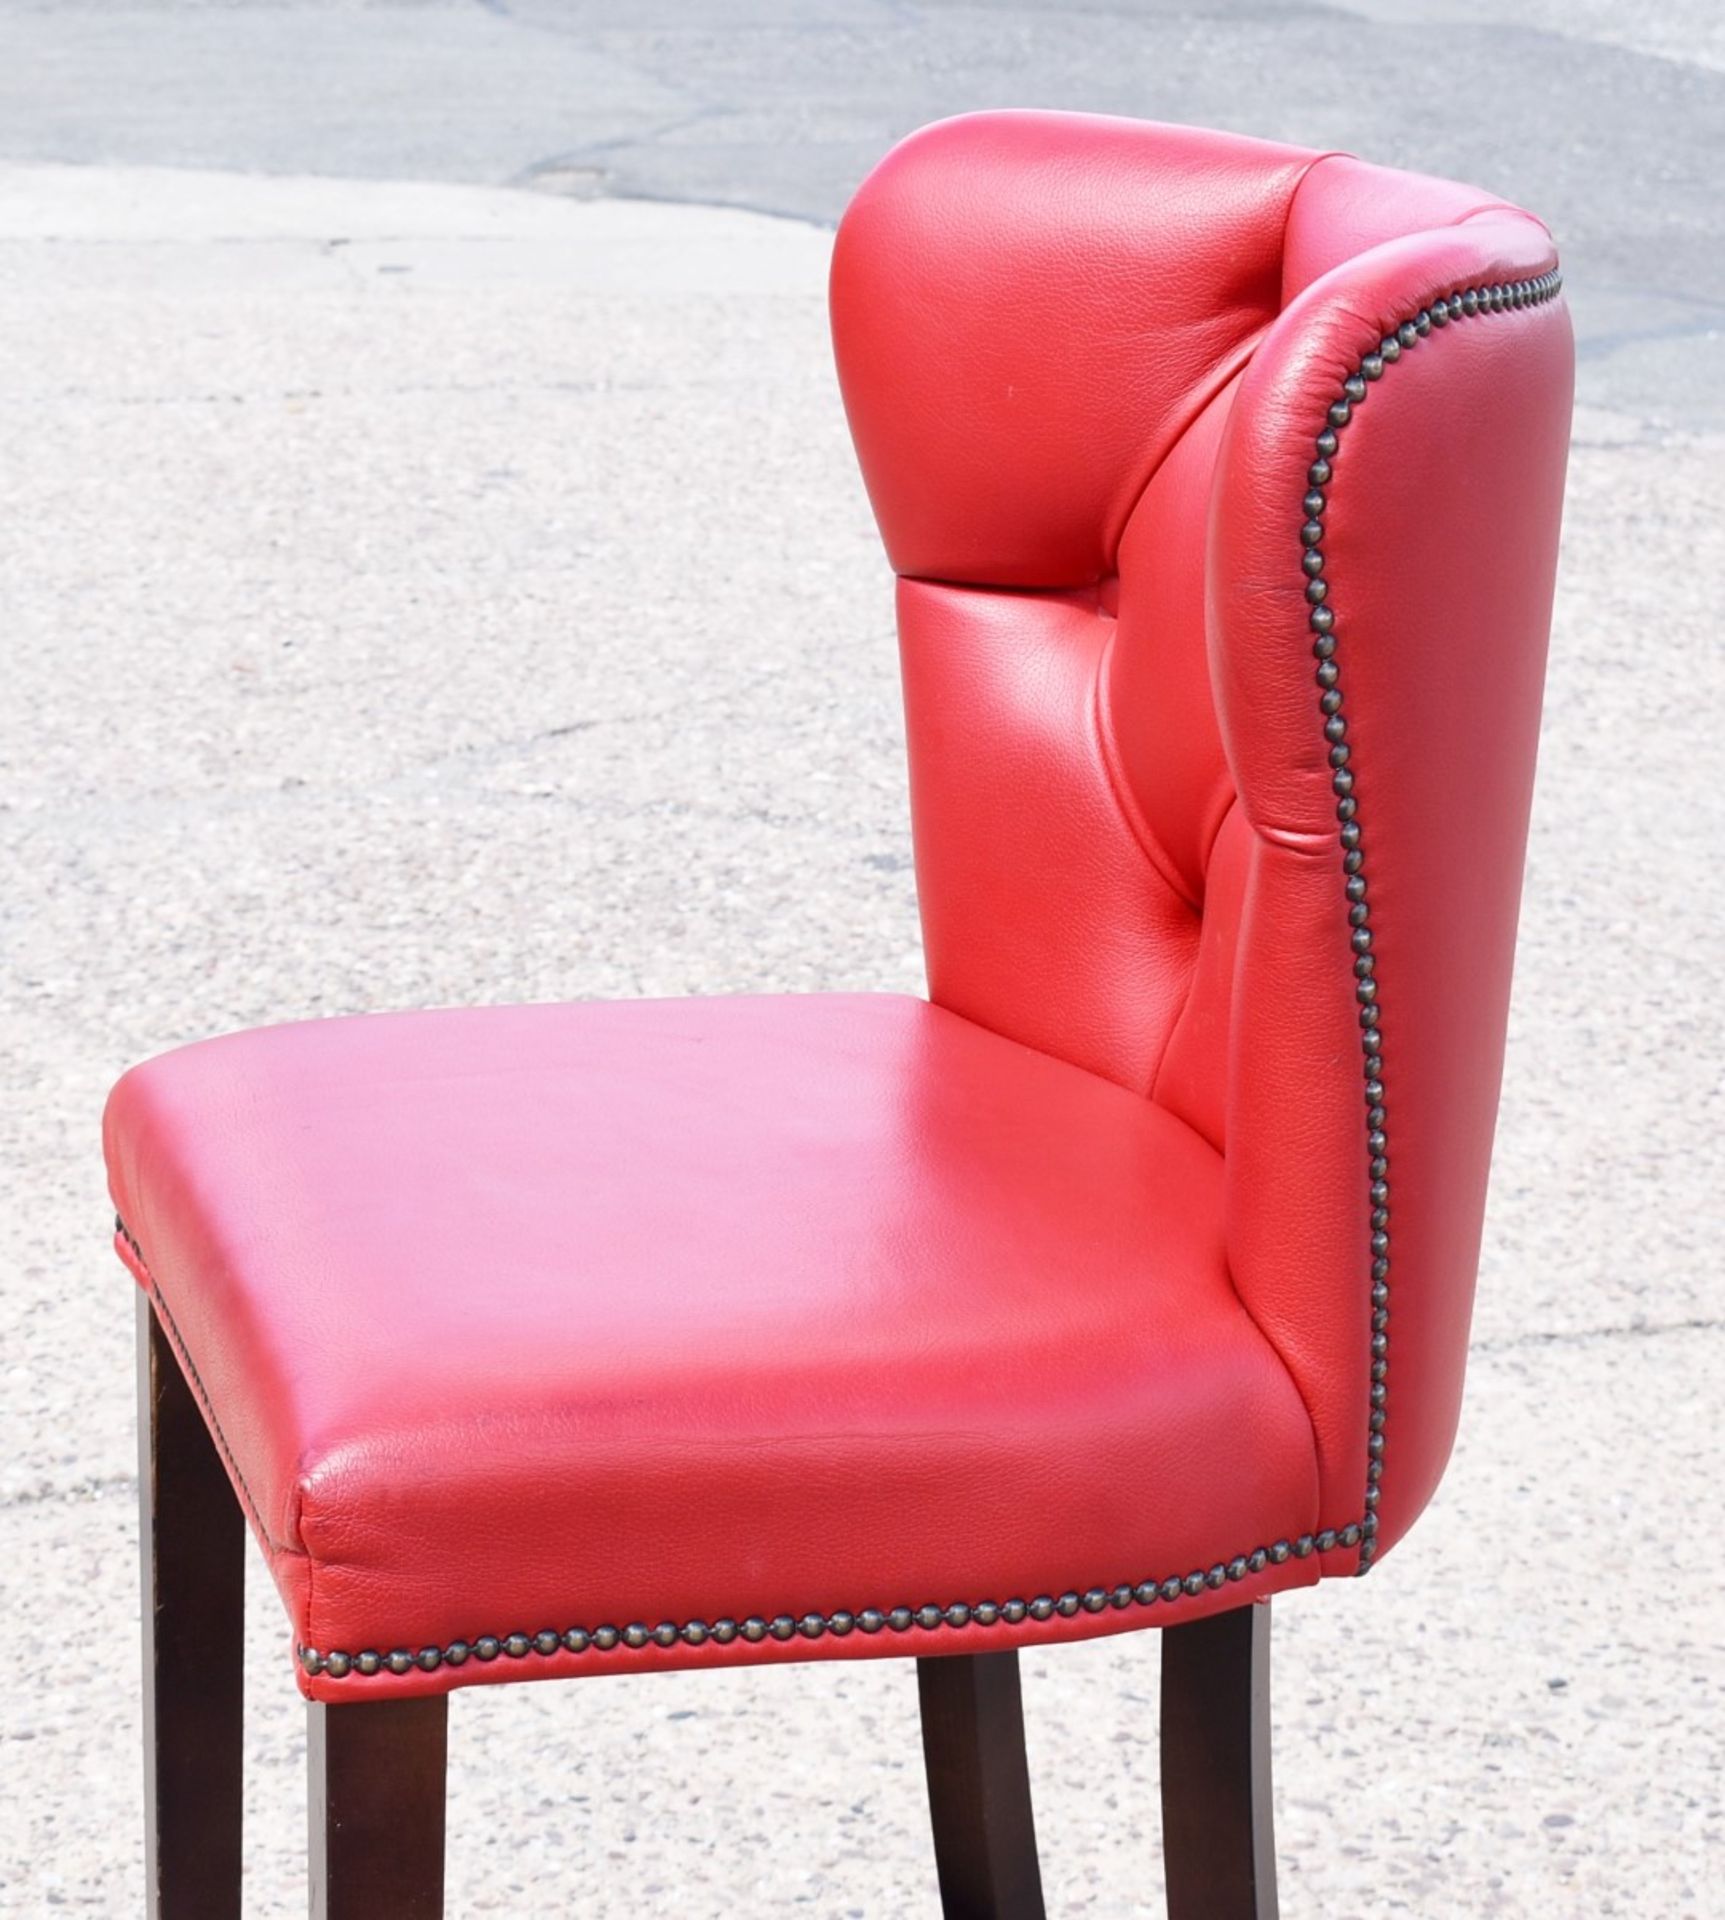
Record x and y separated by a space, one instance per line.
1186 1006
1299 187
1120 792
189 1367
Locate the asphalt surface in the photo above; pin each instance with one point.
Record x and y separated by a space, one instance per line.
422 590
1608 119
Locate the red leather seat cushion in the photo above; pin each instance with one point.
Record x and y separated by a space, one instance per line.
522 1320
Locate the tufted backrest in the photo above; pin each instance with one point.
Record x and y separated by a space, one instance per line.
1223 483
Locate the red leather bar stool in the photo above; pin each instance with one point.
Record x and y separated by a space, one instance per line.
1126 1281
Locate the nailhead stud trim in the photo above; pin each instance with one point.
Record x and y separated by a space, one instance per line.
1321 617
955 1617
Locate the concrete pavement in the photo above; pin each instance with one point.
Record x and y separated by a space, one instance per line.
1607 118
426 594
430 592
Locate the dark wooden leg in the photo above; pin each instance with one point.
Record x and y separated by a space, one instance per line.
979 1787
377 1779
1218 1838
193 1546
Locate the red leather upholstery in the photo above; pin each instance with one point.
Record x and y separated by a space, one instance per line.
1086 364
535 1318
1132 1277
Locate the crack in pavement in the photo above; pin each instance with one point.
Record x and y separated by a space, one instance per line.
1588 1336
